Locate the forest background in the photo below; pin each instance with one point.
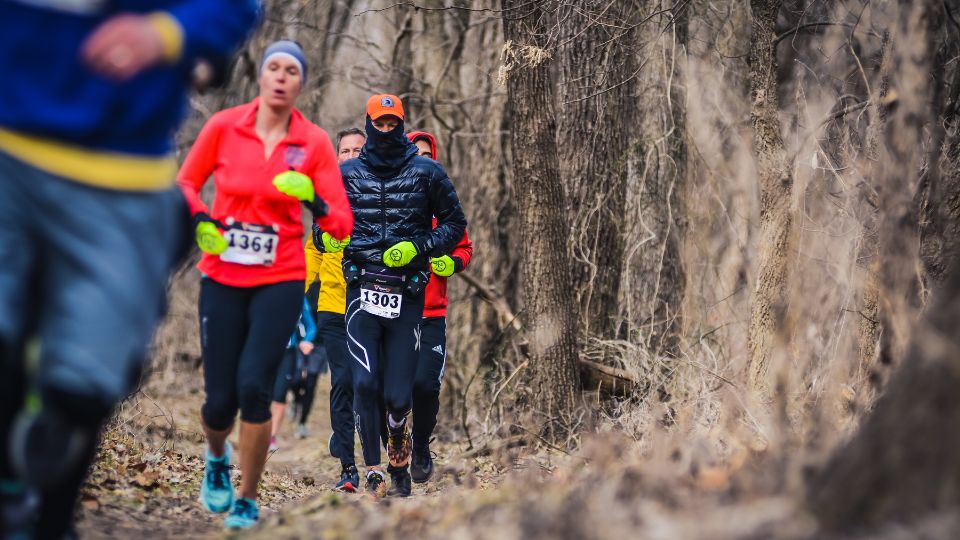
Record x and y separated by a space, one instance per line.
714 244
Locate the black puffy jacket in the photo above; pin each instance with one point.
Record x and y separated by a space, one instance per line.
394 195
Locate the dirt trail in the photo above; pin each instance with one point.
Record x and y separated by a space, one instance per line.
146 481
147 477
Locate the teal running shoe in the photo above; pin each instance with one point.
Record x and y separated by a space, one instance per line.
244 515
216 489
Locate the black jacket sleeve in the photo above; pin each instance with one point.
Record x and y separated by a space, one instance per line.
451 222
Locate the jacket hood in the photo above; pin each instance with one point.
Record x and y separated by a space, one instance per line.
386 153
414 135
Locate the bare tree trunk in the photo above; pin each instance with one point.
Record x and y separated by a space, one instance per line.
596 124
546 290
658 168
940 210
905 460
899 176
401 80
870 322
776 184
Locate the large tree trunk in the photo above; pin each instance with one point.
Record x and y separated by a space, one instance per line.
401 81
905 460
546 290
657 176
776 185
898 179
940 208
596 124
870 330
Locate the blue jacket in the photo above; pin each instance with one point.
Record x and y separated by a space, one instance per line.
48 92
306 327
394 194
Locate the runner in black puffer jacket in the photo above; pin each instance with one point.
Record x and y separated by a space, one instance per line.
392 200
394 195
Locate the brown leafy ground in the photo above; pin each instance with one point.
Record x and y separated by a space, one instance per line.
146 480
667 485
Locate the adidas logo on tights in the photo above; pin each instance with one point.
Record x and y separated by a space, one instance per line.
438 349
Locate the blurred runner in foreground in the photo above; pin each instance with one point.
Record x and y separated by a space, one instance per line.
90 222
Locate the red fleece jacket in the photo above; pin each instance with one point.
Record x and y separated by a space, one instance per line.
228 147
435 302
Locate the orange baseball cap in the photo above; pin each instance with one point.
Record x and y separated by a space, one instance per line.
383 104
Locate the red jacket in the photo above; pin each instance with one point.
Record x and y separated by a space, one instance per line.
228 147
435 303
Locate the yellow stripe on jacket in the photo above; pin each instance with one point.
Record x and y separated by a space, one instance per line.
328 267
108 170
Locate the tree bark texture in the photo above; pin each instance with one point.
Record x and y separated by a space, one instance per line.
402 81
905 460
870 331
776 183
940 209
547 293
657 173
898 179
596 124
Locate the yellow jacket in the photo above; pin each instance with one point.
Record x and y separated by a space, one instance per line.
328 267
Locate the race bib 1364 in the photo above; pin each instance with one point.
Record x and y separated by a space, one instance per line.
250 244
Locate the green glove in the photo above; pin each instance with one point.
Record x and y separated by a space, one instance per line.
209 238
297 185
332 245
442 266
400 254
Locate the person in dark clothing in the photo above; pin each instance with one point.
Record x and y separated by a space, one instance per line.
91 225
394 194
433 337
292 375
324 257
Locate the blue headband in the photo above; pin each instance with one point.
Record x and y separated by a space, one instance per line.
290 50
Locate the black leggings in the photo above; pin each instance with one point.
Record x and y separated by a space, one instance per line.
244 332
426 387
287 375
385 353
291 379
303 393
331 327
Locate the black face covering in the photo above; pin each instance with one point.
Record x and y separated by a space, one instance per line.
386 152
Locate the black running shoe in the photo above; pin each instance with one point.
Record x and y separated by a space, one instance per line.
400 485
45 446
349 479
18 510
421 465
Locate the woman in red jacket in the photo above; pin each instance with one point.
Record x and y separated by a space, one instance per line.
266 160
433 337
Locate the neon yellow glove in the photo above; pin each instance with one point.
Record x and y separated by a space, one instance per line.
443 266
209 238
400 254
295 184
332 245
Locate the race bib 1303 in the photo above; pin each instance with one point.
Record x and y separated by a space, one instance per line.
381 300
